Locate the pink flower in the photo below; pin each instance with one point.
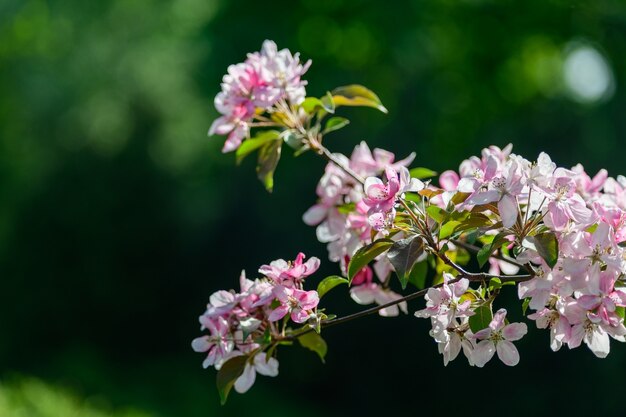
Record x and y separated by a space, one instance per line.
290 273
560 328
297 302
497 338
381 197
260 364
443 305
564 203
373 293
503 189
218 343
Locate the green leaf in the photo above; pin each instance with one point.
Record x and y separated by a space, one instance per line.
292 139
436 213
366 254
546 246
329 283
474 220
525 304
311 105
495 284
269 155
357 95
485 252
459 198
228 374
448 228
481 319
421 173
403 254
335 123
328 103
250 145
418 275
313 341
620 311
346 208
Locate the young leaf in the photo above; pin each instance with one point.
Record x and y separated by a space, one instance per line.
547 246
436 213
311 104
313 341
250 145
421 173
448 228
328 103
335 123
485 252
366 254
418 274
495 283
269 155
329 283
403 254
525 305
292 139
357 95
481 319
228 374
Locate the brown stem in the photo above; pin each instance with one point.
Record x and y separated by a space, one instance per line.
476 249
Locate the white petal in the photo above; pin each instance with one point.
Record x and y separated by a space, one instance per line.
599 343
483 353
245 381
264 366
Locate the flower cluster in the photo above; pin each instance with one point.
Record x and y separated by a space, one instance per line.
349 215
255 86
239 323
577 293
558 234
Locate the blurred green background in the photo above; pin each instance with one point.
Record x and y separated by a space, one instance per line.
119 217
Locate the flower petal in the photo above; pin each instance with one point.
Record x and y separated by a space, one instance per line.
507 352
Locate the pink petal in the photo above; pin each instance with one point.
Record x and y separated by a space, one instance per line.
507 206
507 352
278 313
514 331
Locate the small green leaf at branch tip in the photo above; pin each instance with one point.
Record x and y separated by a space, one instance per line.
228 374
329 283
313 341
357 95
311 104
250 145
422 173
525 305
481 319
335 123
403 255
269 155
366 254
328 103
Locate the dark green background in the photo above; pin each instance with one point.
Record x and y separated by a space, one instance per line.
119 217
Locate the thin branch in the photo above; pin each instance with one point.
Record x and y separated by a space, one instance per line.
476 249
